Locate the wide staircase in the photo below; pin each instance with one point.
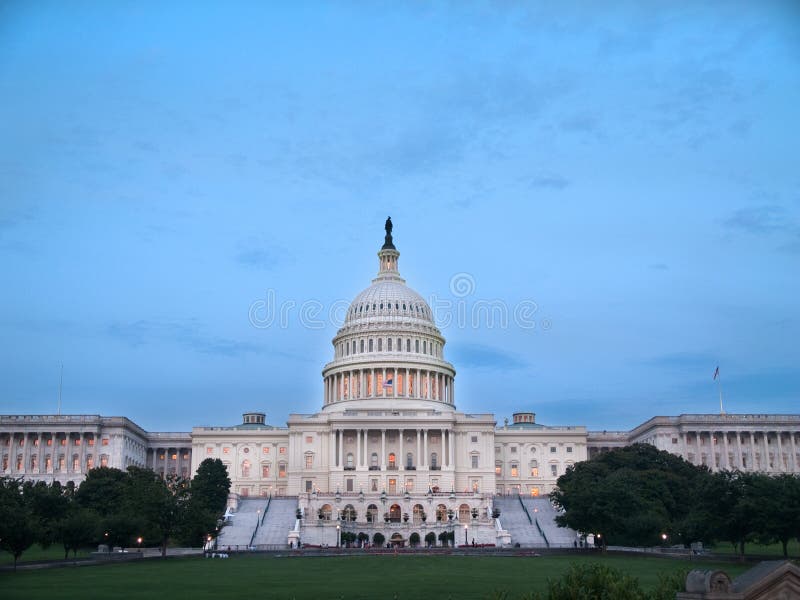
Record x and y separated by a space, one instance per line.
514 519
543 513
276 523
238 533
532 522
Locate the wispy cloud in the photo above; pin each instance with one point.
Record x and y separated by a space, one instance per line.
683 360
552 181
760 219
187 333
476 356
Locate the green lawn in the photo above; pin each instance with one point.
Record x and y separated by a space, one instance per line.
775 550
55 552
351 577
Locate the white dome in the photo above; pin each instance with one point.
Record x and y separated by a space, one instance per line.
388 300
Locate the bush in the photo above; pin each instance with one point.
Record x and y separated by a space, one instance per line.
378 539
589 581
413 539
430 538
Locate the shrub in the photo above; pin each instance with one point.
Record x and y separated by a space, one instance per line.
588 581
378 539
413 539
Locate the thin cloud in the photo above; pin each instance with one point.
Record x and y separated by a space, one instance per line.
760 220
475 356
683 361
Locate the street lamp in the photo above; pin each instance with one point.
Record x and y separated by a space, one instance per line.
139 542
337 535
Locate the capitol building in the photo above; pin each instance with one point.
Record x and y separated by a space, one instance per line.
388 449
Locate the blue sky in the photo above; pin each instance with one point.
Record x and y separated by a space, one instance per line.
624 174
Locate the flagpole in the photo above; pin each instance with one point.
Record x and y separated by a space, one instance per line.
60 382
719 387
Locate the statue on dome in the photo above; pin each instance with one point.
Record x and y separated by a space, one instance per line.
388 240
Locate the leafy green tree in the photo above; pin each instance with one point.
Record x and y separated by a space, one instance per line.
77 529
414 539
430 538
211 485
160 502
48 505
18 526
778 513
378 539
730 505
103 490
630 495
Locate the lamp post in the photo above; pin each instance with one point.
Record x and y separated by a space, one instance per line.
139 543
337 535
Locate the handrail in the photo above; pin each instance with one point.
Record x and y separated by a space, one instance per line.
253 537
266 508
525 508
541 531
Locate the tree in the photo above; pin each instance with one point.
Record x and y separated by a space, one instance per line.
211 485
378 539
630 495
18 526
77 529
160 502
103 490
778 515
730 505
48 505
430 538
414 539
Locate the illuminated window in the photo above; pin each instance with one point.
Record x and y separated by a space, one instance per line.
160 457
90 462
62 463
514 470
309 461
410 485
282 470
282 450
392 460
104 442
224 451
185 456
265 450
498 469
104 461
174 456
35 441
91 441
77 441
209 451
309 439
246 468
63 441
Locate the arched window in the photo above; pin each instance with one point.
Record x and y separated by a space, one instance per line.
416 346
362 346
349 513
264 470
380 344
392 460
441 512
372 513
463 513
394 513
245 468
408 345
347 350
399 345
409 460
370 344
325 512
389 345
417 512
424 347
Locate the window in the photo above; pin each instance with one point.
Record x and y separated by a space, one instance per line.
36 442
474 439
309 487
392 460
498 469
554 470
309 439
434 459
185 456
246 468
265 471
348 487
514 470
361 346
474 458
408 345
569 449
674 440
552 449
265 450
534 471
380 344
76 441
161 456
416 346
63 441
91 442
309 461
104 460
50 441
282 470
389 345
513 449
282 450
409 484
174 455
409 460
370 344
373 460
349 461
224 451
90 462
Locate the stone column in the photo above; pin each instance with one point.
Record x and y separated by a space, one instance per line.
764 439
419 448
358 448
726 462
781 467
401 459
424 458
794 452
739 464
697 458
451 449
383 449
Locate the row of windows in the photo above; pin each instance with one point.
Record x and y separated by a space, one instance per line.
62 441
61 462
391 460
409 309
513 449
246 469
534 467
392 345
227 450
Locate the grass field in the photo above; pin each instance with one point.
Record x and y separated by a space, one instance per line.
403 576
